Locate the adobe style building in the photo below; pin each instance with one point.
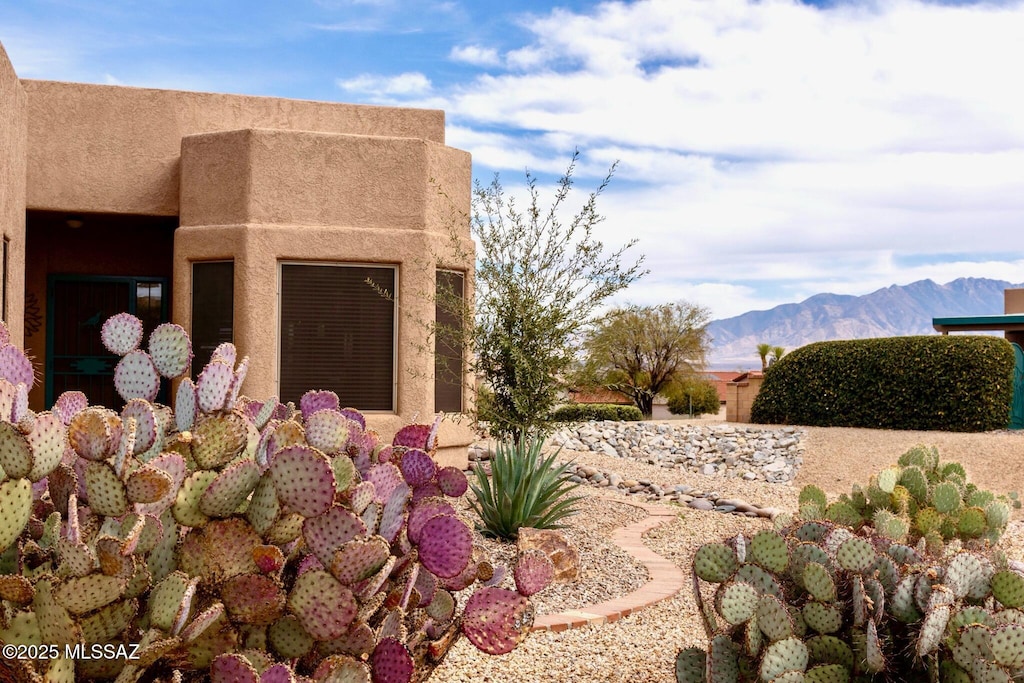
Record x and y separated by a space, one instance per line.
247 219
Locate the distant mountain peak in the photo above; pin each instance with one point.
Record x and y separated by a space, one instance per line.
896 310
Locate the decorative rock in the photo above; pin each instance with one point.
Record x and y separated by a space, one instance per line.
701 504
562 553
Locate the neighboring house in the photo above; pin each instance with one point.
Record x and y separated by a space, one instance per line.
601 396
721 381
247 219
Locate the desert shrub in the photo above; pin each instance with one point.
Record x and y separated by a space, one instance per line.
951 383
583 412
698 395
524 490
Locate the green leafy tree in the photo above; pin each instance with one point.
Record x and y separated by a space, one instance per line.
763 350
642 350
778 352
694 395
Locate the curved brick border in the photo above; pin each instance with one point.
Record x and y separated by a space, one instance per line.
666 578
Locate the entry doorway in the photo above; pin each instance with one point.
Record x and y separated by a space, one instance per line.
77 306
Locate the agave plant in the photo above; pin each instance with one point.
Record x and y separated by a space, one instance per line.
524 490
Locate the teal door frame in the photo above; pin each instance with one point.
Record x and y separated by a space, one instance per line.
132 282
1017 406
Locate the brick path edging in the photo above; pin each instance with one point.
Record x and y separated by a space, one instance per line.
666 579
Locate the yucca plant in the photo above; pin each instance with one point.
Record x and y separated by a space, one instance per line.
524 490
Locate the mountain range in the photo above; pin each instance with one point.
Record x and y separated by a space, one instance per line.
892 311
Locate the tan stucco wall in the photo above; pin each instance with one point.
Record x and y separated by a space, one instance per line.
13 140
115 149
739 398
1013 301
262 197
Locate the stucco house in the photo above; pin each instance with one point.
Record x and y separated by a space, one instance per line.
246 219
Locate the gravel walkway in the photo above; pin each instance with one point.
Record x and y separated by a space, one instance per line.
641 648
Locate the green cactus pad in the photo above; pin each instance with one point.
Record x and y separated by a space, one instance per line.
47 441
1008 616
15 510
56 626
690 665
801 554
359 559
87 593
759 579
877 498
109 622
345 473
903 554
997 513
217 439
769 550
972 641
15 452
171 349
829 650
736 602
788 654
753 638
984 671
16 589
856 555
814 495
186 405
165 600
286 529
715 562
723 663
888 525
322 605
1008 588
773 618
148 484
442 608
327 431
903 605
843 513
874 659
186 505
972 522
966 575
121 334
810 532
304 480
827 673
822 617
264 508
232 486
288 639
253 599
136 377
932 629
952 469
888 478
105 490
971 615
980 499
818 582
887 572
834 538
946 497
1007 645
341 669
811 511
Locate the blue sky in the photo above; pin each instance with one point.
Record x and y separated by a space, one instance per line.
768 150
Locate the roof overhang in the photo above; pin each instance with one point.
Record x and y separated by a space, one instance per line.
980 323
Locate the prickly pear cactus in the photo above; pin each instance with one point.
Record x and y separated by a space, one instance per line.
232 539
820 601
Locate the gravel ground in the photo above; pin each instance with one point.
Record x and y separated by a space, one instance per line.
641 648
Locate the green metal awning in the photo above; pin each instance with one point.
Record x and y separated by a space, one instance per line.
978 323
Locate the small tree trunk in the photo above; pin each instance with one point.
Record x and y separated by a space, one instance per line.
646 405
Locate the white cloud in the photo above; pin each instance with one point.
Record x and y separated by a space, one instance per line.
476 55
409 83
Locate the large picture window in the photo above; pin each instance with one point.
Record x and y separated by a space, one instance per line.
448 337
338 333
213 309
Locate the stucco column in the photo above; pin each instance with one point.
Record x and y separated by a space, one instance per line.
13 154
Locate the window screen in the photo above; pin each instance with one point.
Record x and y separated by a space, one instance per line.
448 361
338 333
213 309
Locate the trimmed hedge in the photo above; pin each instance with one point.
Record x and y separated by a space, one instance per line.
950 383
584 412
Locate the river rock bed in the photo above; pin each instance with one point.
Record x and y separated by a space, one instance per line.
766 454
725 451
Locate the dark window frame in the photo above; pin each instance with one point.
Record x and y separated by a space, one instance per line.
394 321
444 386
201 358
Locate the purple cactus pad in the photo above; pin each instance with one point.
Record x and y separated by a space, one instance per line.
323 606
69 404
232 668
278 673
412 436
391 662
304 480
121 334
145 423
136 377
428 490
533 572
422 511
325 533
452 481
213 385
327 430
417 467
171 350
186 405
313 400
354 415
225 353
495 619
386 478
445 546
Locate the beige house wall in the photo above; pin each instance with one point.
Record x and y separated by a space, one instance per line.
740 398
13 134
1013 302
252 179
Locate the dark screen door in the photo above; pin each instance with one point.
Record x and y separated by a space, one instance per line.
76 308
